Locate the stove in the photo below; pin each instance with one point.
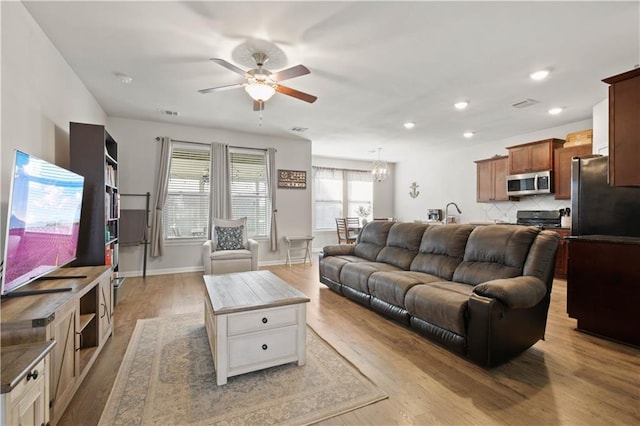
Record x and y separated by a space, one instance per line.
542 218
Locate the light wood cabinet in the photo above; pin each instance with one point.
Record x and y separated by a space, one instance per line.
624 128
533 157
65 368
80 321
562 168
25 384
492 179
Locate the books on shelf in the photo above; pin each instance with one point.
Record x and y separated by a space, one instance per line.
111 205
110 175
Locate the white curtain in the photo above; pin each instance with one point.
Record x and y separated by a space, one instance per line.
157 237
272 177
220 182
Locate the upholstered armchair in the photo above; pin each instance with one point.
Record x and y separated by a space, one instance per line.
229 250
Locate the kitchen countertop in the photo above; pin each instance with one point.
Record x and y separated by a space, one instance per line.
606 239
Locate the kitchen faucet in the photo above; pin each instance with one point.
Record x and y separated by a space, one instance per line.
446 211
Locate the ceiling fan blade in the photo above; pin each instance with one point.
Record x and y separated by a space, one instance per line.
230 66
296 94
292 72
258 106
222 88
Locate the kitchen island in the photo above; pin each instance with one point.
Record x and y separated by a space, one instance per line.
603 286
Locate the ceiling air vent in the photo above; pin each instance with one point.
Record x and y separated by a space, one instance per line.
168 112
526 103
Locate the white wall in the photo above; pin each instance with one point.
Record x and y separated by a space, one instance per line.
138 156
451 176
601 128
382 195
41 94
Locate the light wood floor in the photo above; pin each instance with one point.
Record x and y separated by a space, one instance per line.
571 378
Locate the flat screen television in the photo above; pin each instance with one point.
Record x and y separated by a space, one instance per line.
43 220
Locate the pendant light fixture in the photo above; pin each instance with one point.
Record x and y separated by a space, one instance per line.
380 170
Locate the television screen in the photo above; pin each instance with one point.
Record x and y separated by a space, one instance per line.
43 220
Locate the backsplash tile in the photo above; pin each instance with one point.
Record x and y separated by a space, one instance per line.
505 211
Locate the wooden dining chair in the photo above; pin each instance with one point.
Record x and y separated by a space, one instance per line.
343 231
353 227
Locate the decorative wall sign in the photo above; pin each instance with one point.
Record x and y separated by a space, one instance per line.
296 179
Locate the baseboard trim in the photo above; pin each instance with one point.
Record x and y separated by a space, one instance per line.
166 271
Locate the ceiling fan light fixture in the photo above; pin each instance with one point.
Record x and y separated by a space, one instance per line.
260 91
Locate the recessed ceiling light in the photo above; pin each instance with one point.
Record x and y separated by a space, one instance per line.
539 75
124 78
409 124
461 105
555 111
468 134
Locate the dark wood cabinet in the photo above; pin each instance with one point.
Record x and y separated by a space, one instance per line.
562 255
603 286
533 157
94 155
624 128
562 168
492 179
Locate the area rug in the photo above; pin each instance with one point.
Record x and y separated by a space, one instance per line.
167 378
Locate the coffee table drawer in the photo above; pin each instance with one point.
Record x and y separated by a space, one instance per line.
263 349
265 319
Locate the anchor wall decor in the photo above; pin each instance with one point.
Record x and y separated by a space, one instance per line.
414 190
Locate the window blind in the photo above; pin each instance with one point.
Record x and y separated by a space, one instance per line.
340 193
186 212
250 191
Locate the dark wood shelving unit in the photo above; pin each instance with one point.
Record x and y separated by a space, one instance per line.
94 155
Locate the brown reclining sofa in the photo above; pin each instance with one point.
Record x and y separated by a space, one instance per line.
481 291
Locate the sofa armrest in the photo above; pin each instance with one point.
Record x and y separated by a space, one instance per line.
207 249
516 293
252 246
338 250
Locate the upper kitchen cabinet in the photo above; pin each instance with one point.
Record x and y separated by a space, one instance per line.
624 128
533 157
562 168
492 179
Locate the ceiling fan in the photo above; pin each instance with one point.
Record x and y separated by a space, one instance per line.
261 83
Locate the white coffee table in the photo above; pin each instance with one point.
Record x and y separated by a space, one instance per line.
254 320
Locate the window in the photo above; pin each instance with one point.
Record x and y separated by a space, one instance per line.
341 193
250 190
186 212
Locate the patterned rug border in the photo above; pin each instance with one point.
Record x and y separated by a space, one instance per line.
119 384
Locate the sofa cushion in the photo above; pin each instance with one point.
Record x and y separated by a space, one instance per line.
372 239
494 252
393 286
330 267
230 254
356 275
402 246
443 304
441 250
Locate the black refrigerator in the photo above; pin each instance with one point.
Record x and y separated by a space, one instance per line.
600 209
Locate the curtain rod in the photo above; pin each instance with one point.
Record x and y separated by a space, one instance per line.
205 143
341 170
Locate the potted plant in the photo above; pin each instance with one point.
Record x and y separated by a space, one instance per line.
363 213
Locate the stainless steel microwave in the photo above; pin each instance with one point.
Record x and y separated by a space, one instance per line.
530 183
